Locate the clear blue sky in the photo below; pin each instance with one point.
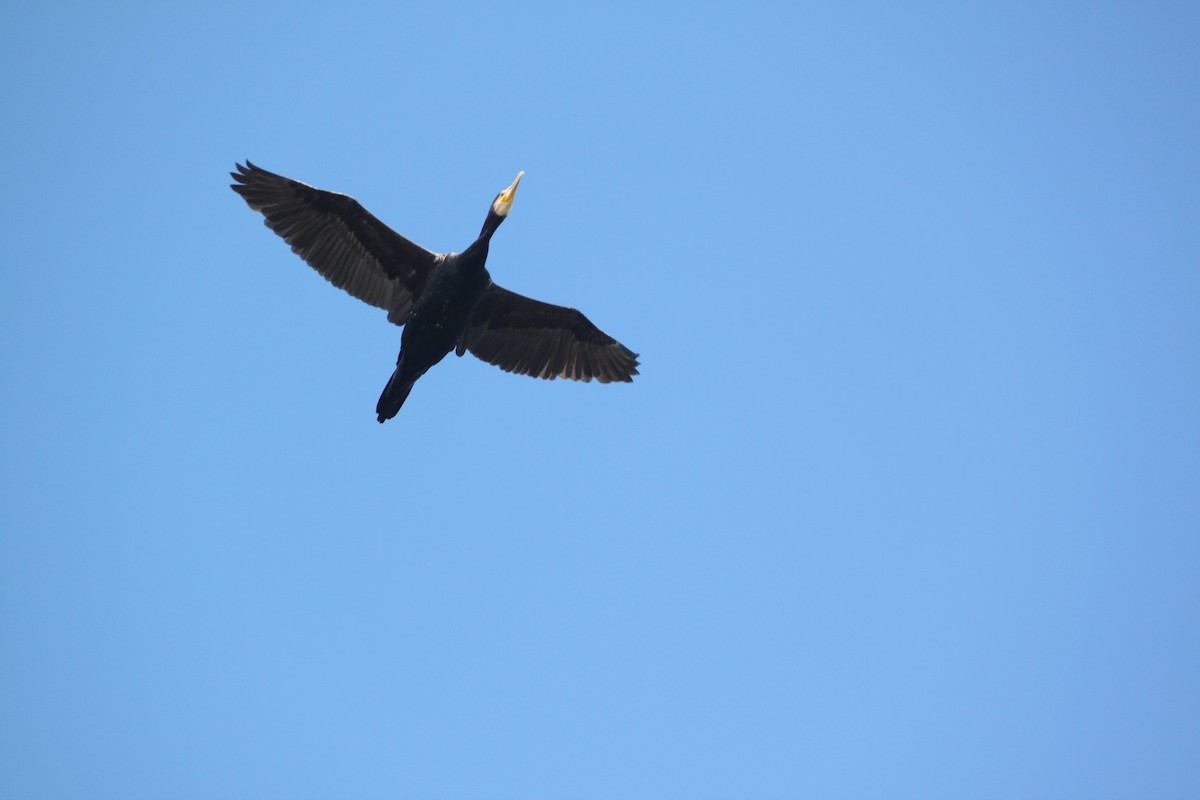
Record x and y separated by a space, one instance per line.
905 504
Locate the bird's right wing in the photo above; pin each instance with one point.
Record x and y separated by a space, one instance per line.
529 337
339 239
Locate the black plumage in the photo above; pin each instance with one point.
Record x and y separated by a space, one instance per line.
445 301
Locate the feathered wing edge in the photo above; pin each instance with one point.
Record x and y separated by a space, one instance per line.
529 337
340 239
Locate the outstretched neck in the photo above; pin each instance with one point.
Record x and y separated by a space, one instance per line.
478 249
490 225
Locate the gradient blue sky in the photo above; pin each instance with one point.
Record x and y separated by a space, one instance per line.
905 503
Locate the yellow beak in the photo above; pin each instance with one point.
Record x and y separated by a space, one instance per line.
508 194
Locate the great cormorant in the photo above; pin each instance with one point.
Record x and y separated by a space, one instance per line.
445 301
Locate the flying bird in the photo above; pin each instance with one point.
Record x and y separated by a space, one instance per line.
445 301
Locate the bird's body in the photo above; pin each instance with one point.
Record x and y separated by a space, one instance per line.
437 322
445 301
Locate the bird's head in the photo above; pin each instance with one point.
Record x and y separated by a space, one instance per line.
503 202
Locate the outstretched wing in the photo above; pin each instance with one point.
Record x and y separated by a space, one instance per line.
530 337
339 239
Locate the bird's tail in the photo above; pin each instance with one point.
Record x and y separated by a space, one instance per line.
394 395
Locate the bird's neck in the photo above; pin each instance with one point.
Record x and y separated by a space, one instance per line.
477 252
479 248
489 226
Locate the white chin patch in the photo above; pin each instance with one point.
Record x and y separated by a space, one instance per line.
501 209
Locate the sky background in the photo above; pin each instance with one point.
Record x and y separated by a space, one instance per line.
905 503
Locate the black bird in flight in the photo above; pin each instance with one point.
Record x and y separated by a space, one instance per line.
445 301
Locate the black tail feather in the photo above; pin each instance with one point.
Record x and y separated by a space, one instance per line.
394 395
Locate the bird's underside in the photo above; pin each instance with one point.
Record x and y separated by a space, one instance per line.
449 298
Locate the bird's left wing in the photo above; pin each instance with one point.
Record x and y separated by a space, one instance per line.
339 239
530 337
